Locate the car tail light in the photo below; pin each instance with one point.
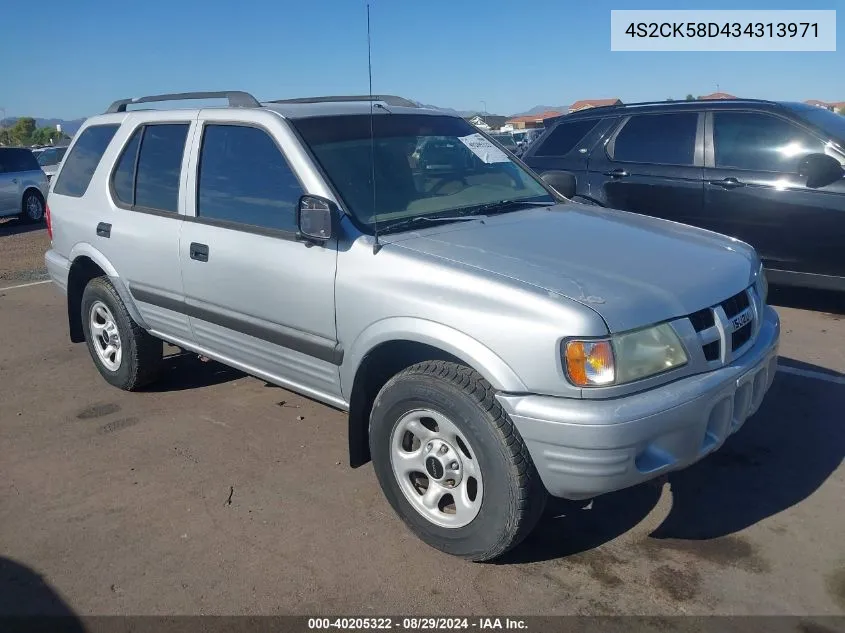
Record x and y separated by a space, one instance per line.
49 222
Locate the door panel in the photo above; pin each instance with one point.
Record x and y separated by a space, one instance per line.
8 194
146 192
653 168
754 193
254 294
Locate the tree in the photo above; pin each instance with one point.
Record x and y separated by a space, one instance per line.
841 110
6 137
22 130
690 98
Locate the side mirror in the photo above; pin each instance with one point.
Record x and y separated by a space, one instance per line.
820 170
561 181
314 219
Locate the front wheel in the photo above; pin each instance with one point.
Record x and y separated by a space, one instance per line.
451 463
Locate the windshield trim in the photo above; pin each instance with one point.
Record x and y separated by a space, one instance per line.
344 207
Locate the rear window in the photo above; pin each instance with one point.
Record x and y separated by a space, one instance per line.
565 137
660 139
15 160
83 159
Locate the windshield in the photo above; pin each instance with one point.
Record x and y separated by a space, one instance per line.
830 122
425 166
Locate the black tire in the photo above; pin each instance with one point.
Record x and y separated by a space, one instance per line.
28 198
514 496
142 353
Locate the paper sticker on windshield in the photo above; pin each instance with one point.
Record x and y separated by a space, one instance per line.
484 149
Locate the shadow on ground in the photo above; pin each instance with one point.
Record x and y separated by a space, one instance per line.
188 371
29 603
15 226
780 457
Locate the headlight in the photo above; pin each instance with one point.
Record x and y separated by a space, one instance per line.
762 284
623 358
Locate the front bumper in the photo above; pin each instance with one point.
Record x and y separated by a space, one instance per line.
584 448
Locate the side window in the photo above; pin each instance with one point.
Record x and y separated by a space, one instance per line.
123 179
160 166
244 178
565 137
747 140
23 160
662 139
83 159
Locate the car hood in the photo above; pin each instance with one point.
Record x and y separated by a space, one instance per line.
631 269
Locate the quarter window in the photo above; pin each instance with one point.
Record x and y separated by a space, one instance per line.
662 139
83 159
747 140
244 178
565 137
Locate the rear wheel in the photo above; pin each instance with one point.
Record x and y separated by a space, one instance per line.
125 354
451 463
32 207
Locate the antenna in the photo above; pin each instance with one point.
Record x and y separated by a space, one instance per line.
376 245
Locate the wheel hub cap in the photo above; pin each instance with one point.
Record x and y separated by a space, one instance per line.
105 337
436 468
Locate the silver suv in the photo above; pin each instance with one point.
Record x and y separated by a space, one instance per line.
23 186
491 341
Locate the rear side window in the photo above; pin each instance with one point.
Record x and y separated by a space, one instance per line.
244 178
147 174
24 160
565 137
662 139
83 159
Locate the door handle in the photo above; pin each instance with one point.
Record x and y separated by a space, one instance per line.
727 183
104 229
616 173
199 252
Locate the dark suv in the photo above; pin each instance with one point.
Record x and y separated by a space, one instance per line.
768 173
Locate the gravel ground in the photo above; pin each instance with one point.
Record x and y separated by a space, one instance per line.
216 493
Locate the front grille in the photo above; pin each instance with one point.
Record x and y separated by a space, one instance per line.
715 331
702 319
711 350
741 337
735 304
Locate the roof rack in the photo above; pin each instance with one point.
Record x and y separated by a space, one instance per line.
618 106
388 99
237 99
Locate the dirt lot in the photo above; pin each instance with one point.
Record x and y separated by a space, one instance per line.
217 493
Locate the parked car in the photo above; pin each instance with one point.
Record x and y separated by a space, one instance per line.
49 160
508 142
768 173
491 342
23 186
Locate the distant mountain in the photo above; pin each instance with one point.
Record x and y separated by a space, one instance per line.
543 108
68 127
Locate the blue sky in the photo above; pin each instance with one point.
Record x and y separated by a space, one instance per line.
451 53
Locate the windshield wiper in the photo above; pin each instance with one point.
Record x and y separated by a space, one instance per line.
429 221
503 206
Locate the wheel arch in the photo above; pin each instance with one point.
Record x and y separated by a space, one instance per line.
391 345
87 263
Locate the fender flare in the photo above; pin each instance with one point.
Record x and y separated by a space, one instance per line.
84 249
459 344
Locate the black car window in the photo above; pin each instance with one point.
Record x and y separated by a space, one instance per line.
83 159
18 160
760 142
565 137
662 139
123 179
244 178
159 166
47 157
